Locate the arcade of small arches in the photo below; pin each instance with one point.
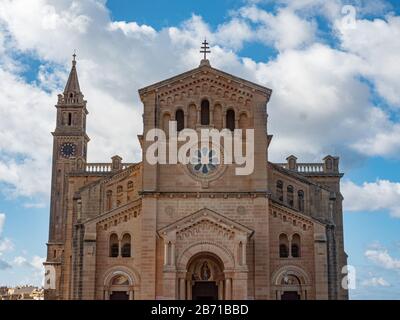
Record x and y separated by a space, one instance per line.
290 199
289 247
206 114
120 247
120 192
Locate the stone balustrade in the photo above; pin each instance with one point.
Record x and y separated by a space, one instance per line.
103 167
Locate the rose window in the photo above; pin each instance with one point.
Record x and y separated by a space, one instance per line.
205 161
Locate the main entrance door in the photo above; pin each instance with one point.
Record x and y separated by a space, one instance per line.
205 277
205 290
119 295
290 295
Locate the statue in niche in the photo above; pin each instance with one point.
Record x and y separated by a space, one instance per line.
205 271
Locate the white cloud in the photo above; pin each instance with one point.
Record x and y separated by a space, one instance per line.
5 243
27 120
377 42
376 282
20 261
372 196
382 258
319 104
35 263
284 30
132 28
38 205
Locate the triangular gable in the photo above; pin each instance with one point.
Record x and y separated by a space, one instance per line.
205 67
205 215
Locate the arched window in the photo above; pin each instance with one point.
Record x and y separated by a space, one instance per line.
295 248
120 189
109 200
205 113
70 119
283 246
300 199
114 248
126 246
290 195
180 120
130 185
230 119
279 190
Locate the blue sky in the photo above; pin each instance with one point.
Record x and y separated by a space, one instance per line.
336 90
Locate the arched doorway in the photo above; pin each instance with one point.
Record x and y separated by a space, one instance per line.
291 283
291 288
119 288
120 284
205 277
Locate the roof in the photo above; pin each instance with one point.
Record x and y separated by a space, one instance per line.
73 82
205 66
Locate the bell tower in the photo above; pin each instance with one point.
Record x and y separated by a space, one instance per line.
69 152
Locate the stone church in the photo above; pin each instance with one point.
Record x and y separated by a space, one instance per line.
137 231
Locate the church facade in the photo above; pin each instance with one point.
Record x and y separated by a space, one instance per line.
177 231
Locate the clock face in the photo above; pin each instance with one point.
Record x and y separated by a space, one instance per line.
68 150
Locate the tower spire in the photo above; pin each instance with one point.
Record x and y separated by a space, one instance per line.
73 82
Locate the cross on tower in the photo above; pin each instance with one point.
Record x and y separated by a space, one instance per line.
205 49
74 58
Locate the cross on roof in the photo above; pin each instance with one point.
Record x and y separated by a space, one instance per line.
205 49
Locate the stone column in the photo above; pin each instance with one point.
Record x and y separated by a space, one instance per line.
119 249
188 289
198 116
172 257
221 290
228 289
244 253
106 295
182 288
186 124
165 254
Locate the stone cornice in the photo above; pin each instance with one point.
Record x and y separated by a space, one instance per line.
207 194
118 214
294 215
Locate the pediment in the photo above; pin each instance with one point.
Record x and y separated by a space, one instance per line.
206 79
205 219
